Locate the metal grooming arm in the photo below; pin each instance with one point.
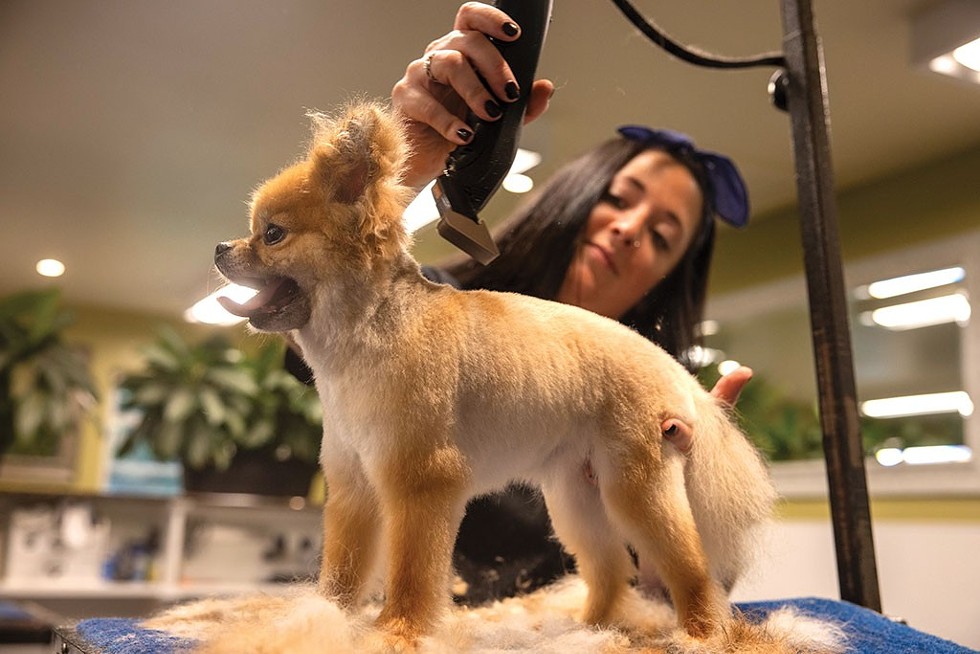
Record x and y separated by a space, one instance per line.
799 87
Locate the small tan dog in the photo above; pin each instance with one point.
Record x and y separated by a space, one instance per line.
434 395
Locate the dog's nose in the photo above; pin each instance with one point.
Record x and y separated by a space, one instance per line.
221 248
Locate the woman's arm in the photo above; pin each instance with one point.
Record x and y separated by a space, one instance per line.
438 89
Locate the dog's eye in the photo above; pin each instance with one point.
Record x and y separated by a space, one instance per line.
273 234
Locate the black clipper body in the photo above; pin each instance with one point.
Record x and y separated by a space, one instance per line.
475 171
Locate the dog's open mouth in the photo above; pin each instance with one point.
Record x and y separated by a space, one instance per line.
274 295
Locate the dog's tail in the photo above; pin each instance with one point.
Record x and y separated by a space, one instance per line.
729 489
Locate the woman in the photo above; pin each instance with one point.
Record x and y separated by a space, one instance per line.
626 231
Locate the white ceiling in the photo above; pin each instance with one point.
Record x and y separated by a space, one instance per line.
132 131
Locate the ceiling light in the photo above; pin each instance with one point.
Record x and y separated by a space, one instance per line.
210 312
728 366
946 39
923 313
701 357
518 183
969 55
919 405
50 268
905 284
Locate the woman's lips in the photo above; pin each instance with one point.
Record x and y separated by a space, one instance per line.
604 255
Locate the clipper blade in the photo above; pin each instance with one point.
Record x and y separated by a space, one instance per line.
468 234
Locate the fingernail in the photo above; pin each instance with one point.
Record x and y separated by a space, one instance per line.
512 91
492 108
464 134
510 29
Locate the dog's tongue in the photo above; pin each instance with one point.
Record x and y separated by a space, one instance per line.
253 305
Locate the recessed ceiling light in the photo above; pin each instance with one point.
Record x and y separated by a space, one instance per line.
946 39
50 268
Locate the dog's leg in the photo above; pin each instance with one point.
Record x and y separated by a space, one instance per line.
645 496
584 529
423 500
350 532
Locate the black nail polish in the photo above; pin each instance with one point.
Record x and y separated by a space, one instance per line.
464 134
511 90
492 108
510 29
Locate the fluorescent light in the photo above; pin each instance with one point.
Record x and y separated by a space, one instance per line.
946 39
518 183
709 327
923 313
924 455
422 209
969 55
889 456
704 356
209 311
524 161
50 268
727 366
919 405
905 284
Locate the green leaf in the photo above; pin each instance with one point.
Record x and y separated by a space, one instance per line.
150 394
162 358
168 439
180 405
214 408
233 379
260 433
199 444
28 415
236 425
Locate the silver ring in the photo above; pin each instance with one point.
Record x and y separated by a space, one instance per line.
427 62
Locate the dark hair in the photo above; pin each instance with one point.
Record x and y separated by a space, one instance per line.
537 245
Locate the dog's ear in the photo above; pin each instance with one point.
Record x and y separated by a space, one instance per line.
357 153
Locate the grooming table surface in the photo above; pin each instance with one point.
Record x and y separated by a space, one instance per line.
868 632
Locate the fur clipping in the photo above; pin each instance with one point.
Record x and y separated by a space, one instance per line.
542 622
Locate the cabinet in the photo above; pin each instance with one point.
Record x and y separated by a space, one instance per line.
89 555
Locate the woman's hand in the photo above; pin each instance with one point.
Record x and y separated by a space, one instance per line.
437 90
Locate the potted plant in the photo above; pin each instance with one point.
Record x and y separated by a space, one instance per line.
46 385
237 422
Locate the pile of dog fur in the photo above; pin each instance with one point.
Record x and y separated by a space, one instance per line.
542 622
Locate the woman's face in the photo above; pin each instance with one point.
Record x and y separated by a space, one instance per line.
635 235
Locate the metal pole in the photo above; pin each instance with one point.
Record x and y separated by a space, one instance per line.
804 87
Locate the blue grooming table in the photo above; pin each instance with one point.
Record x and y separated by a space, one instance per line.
868 632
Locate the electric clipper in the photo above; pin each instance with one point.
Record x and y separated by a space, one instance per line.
475 171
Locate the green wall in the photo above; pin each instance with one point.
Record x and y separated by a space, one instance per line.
914 206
